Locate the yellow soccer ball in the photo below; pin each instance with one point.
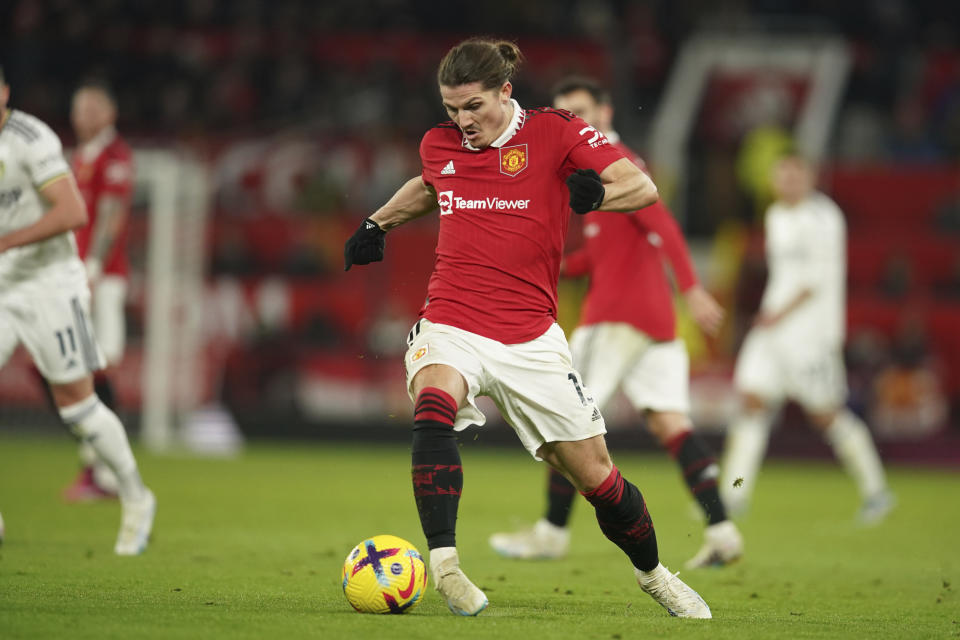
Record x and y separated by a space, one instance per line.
384 574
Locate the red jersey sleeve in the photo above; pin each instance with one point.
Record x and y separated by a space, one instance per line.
576 264
586 148
658 219
426 174
430 146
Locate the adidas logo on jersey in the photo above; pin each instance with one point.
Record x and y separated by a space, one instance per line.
448 170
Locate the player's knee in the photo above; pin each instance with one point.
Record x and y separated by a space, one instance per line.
821 420
592 473
440 376
66 394
667 425
591 478
753 402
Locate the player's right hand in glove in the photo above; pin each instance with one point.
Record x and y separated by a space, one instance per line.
365 245
586 190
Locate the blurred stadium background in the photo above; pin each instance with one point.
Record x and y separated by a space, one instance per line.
267 130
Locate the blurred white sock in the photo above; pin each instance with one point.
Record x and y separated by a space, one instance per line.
746 444
99 427
854 447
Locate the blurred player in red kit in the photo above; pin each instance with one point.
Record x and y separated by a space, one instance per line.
505 179
103 166
627 338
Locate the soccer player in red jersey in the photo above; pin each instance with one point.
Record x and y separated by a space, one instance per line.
103 166
627 338
504 179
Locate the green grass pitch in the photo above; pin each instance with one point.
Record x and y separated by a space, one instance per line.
252 548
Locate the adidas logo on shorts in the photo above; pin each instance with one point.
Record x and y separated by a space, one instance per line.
596 415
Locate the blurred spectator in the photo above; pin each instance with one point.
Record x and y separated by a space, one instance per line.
303 260
949 287
865 355
860 134
909 401
897 278
388 331
948 216
910 140
230 255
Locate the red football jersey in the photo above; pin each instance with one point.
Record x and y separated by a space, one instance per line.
504 212
624 256
104 166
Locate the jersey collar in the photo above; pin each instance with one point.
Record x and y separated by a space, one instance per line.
95 145
516 123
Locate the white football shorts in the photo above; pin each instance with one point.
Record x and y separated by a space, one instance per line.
109 321
776 369
534 384
653 375
50 315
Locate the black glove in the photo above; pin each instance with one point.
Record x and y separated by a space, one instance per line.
365 245
586 190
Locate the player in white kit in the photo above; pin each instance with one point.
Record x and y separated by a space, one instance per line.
45 301
795 348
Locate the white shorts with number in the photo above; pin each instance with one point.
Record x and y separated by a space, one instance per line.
776 369
50 315
109 321
654 375
533 383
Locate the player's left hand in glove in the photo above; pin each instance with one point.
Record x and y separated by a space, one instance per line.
586 190
365 245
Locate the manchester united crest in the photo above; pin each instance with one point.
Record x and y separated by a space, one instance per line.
513 160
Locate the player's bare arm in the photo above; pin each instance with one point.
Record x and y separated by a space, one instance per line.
66 212
111 215
413 200
627 187
765 319
705 310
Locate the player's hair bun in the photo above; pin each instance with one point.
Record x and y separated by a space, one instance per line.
510 52
490 62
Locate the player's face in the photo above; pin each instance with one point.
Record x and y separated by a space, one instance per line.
580 103
482 114
792 179
90 113
4 96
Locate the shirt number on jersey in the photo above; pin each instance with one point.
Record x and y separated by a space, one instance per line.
596 134
596 139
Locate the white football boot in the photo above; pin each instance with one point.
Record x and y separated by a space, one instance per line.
462 596
672 593
875 508
722 544
136 523
544 540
